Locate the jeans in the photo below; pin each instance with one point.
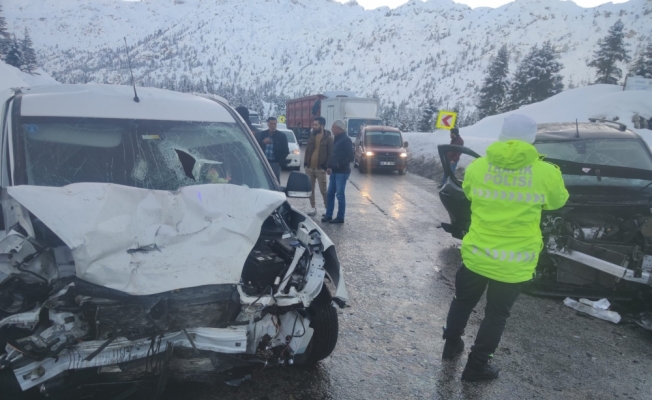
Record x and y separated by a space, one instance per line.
276 167
501 296
317 175
453 166
336 185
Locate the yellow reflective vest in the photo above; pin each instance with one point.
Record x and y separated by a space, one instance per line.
508 189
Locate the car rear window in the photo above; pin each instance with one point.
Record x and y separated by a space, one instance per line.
629 153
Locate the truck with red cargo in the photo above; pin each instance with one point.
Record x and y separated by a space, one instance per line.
354 111
300 113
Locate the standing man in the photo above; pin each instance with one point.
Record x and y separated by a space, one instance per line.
452 156
315 162
502 247
275 146
339 169
244 113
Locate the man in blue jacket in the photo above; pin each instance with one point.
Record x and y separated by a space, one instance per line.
339 170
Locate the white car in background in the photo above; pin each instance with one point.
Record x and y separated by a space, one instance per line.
294 158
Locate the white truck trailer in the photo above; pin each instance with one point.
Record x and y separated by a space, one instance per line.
354 111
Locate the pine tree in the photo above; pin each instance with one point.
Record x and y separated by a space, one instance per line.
389 115
496 84
426 123
536 78
29 55
14 56
612 49
642 66
5 38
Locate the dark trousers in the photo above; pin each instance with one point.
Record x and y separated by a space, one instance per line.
276 167
501 296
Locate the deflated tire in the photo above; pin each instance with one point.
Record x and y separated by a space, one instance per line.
323 319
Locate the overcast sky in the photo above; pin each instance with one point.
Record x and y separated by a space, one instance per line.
472 3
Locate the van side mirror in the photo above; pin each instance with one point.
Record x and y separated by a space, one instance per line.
298 185
405 144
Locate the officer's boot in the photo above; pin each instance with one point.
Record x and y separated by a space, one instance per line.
453 347
478 369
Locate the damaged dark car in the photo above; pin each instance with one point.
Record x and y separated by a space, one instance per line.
600 243
149 241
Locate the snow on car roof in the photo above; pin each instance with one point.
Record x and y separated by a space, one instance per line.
568 131
116 101
384 128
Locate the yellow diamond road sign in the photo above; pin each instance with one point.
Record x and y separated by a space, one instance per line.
281 119
446 120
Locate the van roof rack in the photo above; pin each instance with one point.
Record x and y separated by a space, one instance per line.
621 127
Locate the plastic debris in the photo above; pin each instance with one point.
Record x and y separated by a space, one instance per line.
645 320
593 309
602 304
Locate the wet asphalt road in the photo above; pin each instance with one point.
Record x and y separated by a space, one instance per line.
399 269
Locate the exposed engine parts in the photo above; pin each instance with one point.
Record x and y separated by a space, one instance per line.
52 325
597 250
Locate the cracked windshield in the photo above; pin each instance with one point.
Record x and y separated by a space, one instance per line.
161 155
325 199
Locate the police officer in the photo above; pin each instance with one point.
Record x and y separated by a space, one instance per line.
508 189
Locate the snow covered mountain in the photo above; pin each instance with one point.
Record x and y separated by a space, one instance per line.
435 49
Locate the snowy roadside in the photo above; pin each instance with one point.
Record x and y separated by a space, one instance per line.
423 158
11 77
597 101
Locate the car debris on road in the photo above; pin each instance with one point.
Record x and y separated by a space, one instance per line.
598 309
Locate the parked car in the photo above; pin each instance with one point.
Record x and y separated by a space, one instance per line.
254 118
147 240
380 148
294 158
600 243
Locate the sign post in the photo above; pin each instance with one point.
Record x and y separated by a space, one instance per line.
637 83
446 120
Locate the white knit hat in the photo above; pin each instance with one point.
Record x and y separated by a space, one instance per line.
340 124
518 127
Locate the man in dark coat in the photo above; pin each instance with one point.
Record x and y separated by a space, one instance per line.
244 113
339 170
275 146
453 157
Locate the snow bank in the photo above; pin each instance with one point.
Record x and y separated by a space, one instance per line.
597 101
13 77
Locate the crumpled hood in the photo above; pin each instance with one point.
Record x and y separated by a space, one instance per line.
513 154
142 241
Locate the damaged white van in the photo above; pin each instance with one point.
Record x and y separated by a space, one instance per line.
148 239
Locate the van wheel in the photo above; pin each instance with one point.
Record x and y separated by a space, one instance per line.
323 319
402 171
362 167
